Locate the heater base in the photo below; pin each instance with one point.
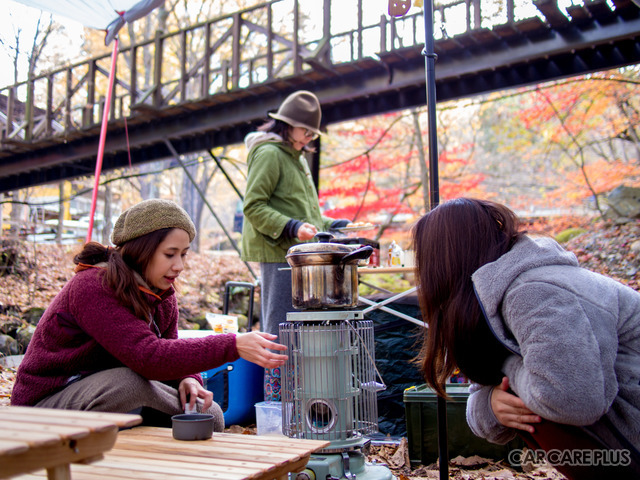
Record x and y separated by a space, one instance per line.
346 466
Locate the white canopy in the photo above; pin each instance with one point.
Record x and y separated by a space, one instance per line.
107 15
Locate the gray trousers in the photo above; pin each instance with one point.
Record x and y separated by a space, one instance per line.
275 295
275 302
121 390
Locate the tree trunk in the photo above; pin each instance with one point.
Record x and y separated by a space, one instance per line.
190 200
148 182
424 170
106 224
60 213
16 216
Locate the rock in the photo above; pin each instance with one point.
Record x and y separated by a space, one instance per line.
23 337
9 257
243 322
33 315
624 204
9 309
10 325
568 234
200 321
8 345
10 361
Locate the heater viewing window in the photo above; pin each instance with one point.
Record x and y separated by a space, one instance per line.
321 416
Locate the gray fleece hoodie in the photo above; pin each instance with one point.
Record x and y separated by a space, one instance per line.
575 338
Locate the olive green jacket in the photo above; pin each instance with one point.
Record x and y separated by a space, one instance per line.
279 188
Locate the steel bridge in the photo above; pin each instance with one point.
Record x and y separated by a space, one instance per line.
209 84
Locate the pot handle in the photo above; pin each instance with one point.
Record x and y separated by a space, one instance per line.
360 254
323 237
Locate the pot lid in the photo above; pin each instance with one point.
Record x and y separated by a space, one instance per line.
323 244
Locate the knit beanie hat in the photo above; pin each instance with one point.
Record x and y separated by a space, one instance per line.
149 216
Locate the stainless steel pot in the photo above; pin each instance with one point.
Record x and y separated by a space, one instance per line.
325 274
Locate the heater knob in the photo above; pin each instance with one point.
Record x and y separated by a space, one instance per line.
306 474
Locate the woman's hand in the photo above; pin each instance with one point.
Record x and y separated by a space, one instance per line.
510 410
254 347
190 388
306 231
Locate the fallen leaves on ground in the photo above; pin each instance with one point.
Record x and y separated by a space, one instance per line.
7 377
396 457
43 270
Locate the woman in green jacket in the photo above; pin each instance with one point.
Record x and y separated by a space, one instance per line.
281 207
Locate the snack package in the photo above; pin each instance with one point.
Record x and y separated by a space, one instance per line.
222 323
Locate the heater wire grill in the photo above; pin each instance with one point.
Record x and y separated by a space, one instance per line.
329 382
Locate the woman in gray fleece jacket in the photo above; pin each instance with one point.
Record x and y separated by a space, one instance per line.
552 349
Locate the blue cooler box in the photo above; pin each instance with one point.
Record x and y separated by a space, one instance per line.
236 386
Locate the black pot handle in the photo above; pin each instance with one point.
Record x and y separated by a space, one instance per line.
323 237
360 254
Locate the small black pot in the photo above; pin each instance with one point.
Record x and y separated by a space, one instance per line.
192 426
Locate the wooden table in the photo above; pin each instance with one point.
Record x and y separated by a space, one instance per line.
34 439
380 270
151 453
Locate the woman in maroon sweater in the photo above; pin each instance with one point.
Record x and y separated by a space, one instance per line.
108 341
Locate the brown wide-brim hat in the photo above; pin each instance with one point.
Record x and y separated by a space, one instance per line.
300 109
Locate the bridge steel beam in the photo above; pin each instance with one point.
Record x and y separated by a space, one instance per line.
395 81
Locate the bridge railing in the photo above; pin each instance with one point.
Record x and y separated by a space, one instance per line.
277 39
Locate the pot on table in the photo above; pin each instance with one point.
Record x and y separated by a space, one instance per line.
325 274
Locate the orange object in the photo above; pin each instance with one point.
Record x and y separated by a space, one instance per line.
398 8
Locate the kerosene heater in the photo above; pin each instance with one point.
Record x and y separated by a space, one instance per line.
330 381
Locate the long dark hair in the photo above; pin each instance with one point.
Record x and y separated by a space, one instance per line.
451 242
284 130
133 256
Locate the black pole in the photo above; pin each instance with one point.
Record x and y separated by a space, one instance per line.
434 199
430 71
233 185
443 441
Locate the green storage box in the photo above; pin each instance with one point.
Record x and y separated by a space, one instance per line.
420 404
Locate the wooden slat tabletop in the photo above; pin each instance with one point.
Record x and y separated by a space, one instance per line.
12 447
53 415
149 453
63 431
50 439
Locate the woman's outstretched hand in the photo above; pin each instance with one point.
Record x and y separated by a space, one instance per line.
510 410
254 347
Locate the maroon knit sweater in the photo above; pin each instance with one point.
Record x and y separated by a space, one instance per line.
86 330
